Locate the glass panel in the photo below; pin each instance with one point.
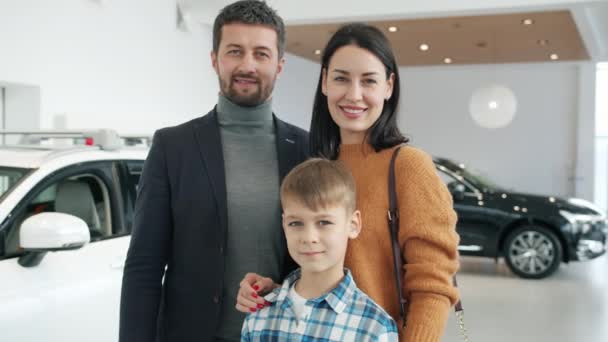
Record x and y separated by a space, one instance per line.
601 137
9 177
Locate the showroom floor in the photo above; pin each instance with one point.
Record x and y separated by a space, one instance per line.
571 305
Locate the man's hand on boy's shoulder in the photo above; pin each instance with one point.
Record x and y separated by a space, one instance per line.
252 289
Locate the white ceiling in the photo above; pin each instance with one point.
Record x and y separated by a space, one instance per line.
591 17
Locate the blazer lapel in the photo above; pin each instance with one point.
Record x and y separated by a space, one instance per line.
207 133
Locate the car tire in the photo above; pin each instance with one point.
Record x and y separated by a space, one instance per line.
532 251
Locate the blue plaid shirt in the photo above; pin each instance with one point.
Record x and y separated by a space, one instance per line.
343 314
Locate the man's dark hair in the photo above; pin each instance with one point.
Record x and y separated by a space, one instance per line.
252 12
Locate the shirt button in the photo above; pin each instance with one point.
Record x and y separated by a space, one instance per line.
222 250
216 299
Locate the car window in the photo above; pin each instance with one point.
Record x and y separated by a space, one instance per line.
132 174
9 176
135 168
451 182
85 196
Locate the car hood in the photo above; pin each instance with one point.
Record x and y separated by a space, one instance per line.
552 203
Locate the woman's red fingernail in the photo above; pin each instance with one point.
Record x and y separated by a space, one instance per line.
255 287
267 303
260 306
253 309
255 295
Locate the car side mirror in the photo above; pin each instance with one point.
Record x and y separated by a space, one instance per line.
53 232
457 190
48 232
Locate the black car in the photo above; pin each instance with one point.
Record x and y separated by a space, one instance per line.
534 233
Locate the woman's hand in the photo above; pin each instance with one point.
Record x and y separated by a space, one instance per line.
252 288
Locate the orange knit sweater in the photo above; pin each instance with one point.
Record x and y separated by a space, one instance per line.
427 237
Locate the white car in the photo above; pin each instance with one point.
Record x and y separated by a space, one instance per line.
65 218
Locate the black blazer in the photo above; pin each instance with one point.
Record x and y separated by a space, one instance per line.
180 223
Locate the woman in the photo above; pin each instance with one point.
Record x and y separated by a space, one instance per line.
354 120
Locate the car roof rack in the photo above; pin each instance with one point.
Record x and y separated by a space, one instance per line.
106 139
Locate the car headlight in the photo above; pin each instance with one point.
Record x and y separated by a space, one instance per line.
580 223
584 203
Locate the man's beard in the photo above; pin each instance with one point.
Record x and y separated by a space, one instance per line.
254 98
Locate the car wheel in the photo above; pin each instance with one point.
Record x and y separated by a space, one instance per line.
532 251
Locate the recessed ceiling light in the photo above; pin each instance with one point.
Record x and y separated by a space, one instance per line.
317 52
527 21
542 42
447 60
554 56
423 47
392 29
481 44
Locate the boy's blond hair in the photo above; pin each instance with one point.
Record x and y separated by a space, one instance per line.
320 183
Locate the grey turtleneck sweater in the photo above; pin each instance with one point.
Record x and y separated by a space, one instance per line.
254 243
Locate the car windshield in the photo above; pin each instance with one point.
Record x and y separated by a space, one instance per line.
480 181
9 176
475 177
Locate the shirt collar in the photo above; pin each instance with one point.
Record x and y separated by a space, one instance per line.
338 298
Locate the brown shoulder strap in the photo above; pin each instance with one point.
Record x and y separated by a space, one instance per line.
393 226
393 223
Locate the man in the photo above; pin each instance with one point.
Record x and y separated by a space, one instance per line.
208 207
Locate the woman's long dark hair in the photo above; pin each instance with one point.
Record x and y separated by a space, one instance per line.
324 133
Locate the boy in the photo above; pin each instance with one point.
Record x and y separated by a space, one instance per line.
320 300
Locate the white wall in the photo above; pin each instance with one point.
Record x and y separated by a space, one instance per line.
22 107
2 105
584 176
536 153
295 90
601 138
116 64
